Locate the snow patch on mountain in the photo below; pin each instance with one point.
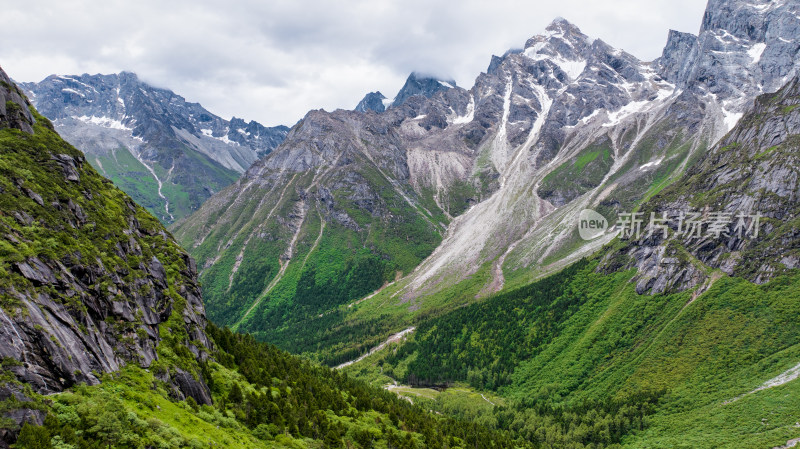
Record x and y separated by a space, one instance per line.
72 91
469 116
756 51
104 122
654 163
636 107
224 138
731 118
572 67
76 81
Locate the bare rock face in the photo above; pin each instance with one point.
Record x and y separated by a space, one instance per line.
89 281
190 387
678 56
421 85
753 171
744 48
19 415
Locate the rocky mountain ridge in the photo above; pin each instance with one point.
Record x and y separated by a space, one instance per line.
14 112
423 85
652 119
416 85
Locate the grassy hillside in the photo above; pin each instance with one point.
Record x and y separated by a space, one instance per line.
582 337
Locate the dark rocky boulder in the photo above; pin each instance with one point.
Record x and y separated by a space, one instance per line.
14 107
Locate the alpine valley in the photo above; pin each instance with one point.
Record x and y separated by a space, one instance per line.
105 340
414 273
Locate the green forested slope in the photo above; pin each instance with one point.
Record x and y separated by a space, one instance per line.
181 193
583 345
263 398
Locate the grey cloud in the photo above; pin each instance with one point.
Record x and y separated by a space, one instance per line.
273 60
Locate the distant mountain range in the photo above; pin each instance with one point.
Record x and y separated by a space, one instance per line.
451 195
170 155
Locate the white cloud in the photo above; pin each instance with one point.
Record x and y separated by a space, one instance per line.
273 61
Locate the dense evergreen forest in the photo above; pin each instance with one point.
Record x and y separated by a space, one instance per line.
484 342
314 390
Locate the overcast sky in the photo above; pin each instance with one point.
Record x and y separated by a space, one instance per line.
273 60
